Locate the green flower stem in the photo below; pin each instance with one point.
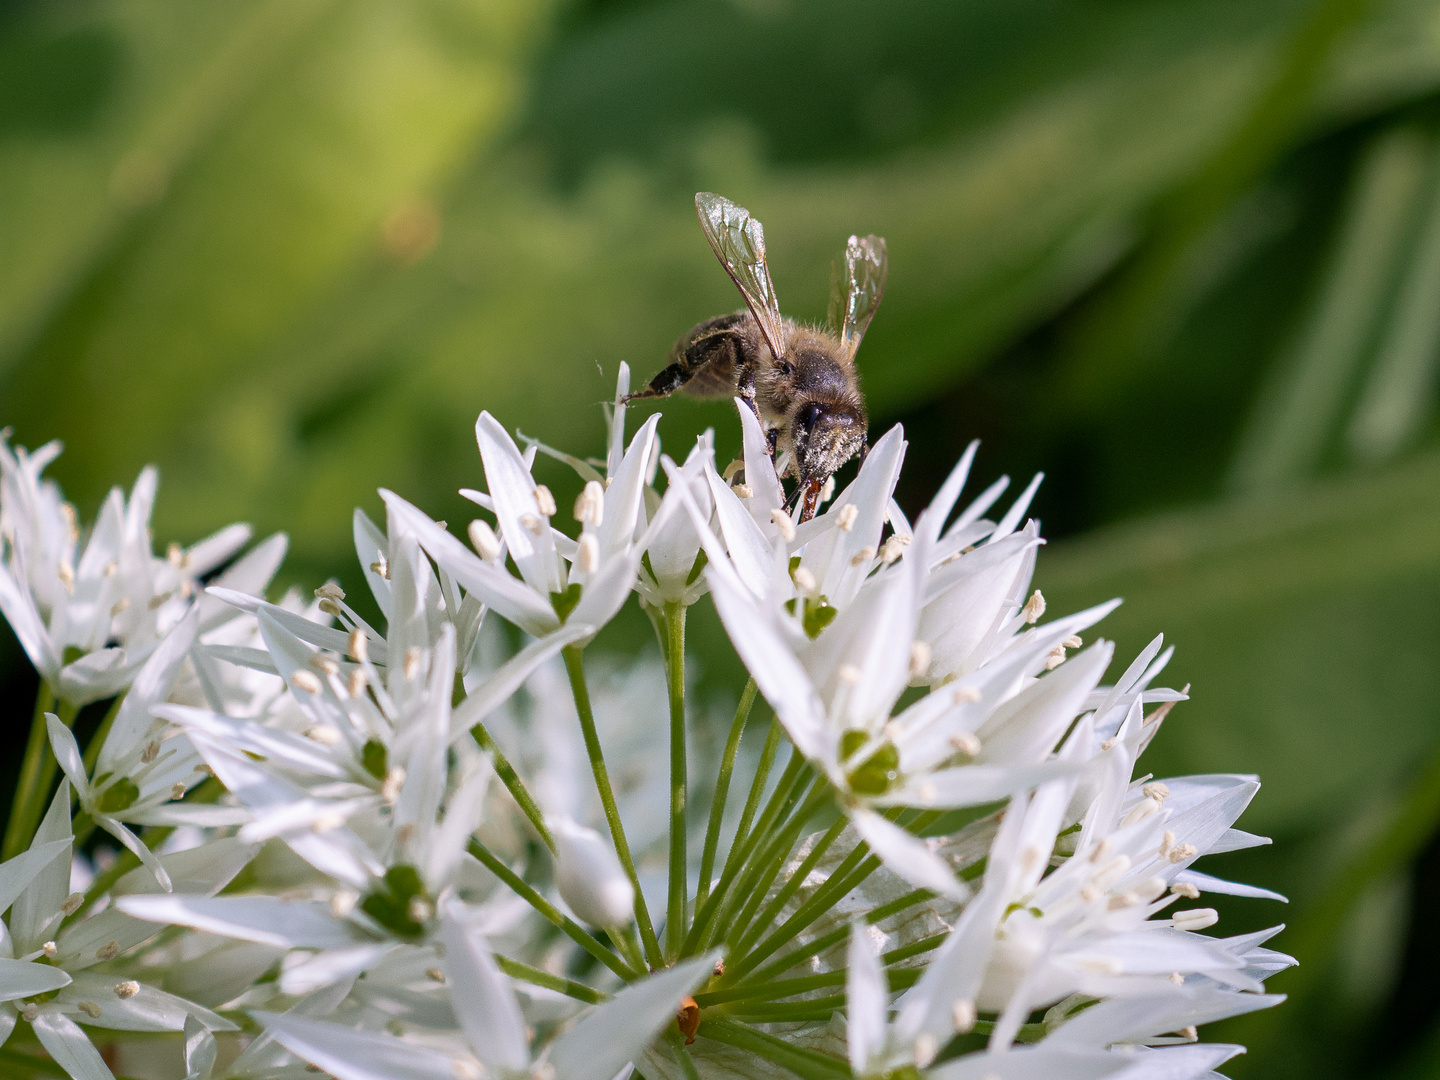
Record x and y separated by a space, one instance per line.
783 988
675 678
92 748
772 862
766 975
680 1054
757 791
35 748
575 668
817 1008
725 898
790 888
807 1064
722 793
629 942
572 929
825 897
513 784
535 977
39 796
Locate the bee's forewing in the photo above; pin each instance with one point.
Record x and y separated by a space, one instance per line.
738 241
855 293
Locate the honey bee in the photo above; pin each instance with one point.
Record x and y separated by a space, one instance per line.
799 381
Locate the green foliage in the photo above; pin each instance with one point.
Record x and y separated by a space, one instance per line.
1185 257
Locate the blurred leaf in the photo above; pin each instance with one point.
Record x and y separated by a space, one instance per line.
1307 625
1297 413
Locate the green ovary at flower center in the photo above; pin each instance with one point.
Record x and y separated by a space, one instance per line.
878 773
120 795
397 901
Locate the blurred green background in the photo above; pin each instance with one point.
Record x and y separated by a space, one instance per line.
1184 256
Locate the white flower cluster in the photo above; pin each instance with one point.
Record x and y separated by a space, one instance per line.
393 849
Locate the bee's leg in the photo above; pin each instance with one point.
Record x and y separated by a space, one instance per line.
772 438
713 344
812 500
865 448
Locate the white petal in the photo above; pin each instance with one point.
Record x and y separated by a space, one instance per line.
1024 1064
332 966
908 855
70 1047
513 490
371 545
200 1050
348 1054
17 873
22 979
37 909
151 687
512 599
148 1009
18 608
482 999
866 996
1163 1009
264 919
1206 883
624 498
599 1046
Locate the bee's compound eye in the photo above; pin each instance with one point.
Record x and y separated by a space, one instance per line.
808 415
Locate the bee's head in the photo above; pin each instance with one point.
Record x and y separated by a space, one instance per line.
826 434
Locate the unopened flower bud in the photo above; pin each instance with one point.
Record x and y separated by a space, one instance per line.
590 877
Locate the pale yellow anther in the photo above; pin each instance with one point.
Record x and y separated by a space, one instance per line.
306 681
1074 641
72 903
863 556
743 491
394 781
435 974
411 663
1034 607
590 506
177 791
544 500
406 833
175 555
66 573
846 517
157 602
119 606
963 1016
356 682
783 524
965 695
920 655
89 1008
108 951
926 1047
330 591
50 949
805 581
151 752
324 734
1187 889
326 665
532 524
342 903
420 909
127 989
111 568
848 673
966 742
327 822
1156 790
381 566
894 548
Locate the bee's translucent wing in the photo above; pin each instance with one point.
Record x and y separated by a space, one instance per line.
856 289
739 243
